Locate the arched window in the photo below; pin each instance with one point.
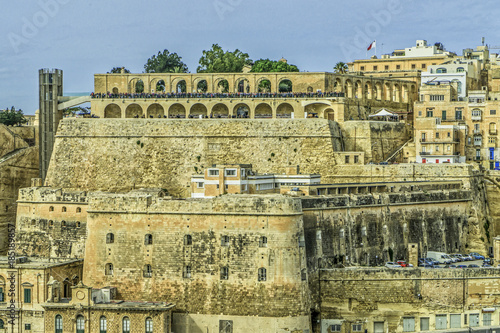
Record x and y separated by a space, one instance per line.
108 269
303 274
1 324
2 289
460 70
262 274
263 241
103 325
64 209
80 324
188 240
110 238
51 223
78 210
148 271
66 288
63 223
148 239
59 324
224 273
126 325
51 208
149 325
187 272
441 70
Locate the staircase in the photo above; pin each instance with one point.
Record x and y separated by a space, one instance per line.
398 150
12 154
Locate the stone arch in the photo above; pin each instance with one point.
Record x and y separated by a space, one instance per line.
315 110
242 85
134 85
368 91
179 85
115 91
405 94
241 110
285 85
310 89
112 111
337 85
220 111
155 110
134 111
198 110
358 89
348 88
284 110
378 91
201 86
263 110
388 92
221 85
264 85
329 114
177 111
157 84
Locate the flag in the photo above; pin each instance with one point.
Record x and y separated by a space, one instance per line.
372 45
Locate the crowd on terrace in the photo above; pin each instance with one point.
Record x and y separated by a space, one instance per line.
216 95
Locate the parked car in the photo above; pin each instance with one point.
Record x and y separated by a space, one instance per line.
403 263
487 261
473 266
476 256
487 265
427 266
390 264
432 261
462 266
452 266
467 257
458 256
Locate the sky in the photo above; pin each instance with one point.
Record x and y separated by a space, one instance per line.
87 37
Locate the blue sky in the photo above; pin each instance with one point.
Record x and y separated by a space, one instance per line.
87 37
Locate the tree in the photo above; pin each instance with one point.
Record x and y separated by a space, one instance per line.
217 60
12 117
272 66
165 62
340 68
118 70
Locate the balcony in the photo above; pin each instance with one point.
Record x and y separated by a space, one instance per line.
476 118
477 158
424 153
478 132
493 132
478 143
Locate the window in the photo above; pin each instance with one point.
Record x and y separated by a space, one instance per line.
213 172
64 209
217 186
493 112
347 159
458 114
424 324
441 70
437 135
460 70
429 113
224 273
78 224
27 295
103 325
225 326
224 241
59 324
148 239
398 66
486 319
335 328
263 241
188 240
303 275
362 68
437 148
108 270
110 238
126 325
413 66
420 113
424 66
449 134
409 324
200 185
356 159
443 115
375 68
363 232
78 210
231 173
386 67
436 98
262 274
357 327
149 325
441 322
1 324
63 223
187 272
148 271
51 208
80 324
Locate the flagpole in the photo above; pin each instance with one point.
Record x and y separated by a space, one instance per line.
375 48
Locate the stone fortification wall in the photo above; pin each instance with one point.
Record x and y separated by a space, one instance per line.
150 230
51 223
377 139
375 228
381 294
119 155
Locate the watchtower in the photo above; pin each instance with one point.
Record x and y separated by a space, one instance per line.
51 88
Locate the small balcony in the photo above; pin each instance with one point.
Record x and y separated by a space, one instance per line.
478 132
476 118
493 131
424 153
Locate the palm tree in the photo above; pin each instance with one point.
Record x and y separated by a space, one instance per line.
340 67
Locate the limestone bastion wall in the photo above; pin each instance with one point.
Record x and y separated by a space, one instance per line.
375 228
122 154
382 294
204 255
51 223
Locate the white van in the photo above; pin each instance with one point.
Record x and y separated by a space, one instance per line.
440 257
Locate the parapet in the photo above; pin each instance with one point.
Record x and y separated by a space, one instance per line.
49 194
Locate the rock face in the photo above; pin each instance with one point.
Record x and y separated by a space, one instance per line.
120 155
18 164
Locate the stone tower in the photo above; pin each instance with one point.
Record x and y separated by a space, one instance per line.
51 88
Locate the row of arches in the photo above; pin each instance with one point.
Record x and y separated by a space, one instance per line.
220 85
103 324
219 110
392 92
